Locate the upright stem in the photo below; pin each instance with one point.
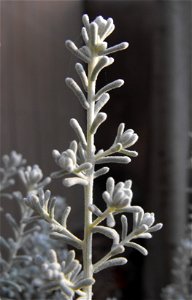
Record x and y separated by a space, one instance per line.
88 193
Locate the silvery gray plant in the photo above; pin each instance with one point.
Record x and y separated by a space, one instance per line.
20 278
81 164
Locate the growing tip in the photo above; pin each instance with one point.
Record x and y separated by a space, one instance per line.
125 45
121 82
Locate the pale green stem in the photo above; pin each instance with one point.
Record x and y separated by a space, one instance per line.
110 151
88 191
102 217
106 257
111 252
101 261
63 229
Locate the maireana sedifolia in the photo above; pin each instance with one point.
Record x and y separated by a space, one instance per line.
82 163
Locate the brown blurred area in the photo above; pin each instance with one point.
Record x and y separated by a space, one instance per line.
155 101
36 106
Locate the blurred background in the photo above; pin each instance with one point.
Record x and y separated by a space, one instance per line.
155 101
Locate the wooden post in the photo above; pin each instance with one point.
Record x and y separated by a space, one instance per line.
169 138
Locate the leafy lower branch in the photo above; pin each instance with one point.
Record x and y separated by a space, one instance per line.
44 205
142 229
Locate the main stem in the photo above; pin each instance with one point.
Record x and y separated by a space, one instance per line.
88 194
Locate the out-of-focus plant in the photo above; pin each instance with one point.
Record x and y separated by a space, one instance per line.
20 278
181 286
